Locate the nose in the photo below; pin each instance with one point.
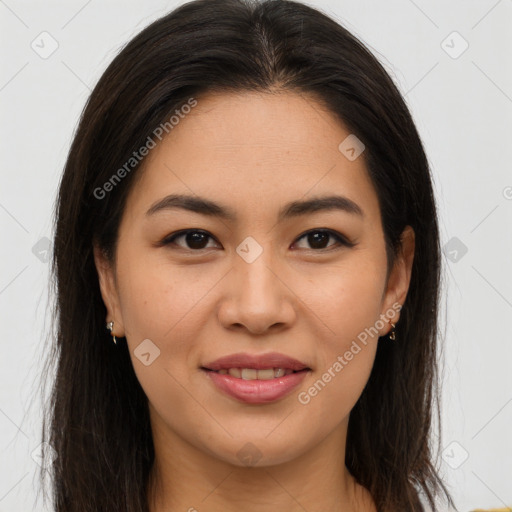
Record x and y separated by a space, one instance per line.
257 298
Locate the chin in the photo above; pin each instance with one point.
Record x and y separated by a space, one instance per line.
257 450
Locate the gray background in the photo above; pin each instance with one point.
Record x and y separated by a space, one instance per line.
462 104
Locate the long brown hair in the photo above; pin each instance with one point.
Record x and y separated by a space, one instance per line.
97 418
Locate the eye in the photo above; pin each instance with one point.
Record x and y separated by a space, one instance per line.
319 237
194 239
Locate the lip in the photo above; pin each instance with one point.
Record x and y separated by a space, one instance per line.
256 361
256 391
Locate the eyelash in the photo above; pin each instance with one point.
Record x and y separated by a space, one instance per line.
340 238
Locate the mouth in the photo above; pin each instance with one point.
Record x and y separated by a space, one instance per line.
256 386
256 378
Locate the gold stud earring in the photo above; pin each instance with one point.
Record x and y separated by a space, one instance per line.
392 332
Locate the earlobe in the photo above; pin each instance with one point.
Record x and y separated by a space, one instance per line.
108 290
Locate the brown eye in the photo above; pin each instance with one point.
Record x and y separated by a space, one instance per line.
194 239
318 239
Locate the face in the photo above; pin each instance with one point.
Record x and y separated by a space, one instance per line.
190 286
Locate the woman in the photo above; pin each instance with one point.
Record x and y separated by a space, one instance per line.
247 274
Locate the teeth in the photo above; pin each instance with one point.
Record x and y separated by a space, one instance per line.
249 374
261 374
253 374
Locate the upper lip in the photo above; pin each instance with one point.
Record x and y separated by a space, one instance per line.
256 361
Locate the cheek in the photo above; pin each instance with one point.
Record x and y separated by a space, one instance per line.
348 303
159 306
167 305
345 353
157 298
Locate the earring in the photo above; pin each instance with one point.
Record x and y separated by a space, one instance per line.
110 327
392 332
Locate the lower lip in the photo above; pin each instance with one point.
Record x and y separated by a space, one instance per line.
256 391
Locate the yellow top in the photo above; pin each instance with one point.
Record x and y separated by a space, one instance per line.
507 509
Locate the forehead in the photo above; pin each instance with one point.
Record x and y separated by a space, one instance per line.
254 151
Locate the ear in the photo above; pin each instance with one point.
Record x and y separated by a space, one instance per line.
400 278
109 293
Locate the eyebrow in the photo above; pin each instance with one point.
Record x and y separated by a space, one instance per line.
209 208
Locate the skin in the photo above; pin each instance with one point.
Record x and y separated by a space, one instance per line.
253 152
